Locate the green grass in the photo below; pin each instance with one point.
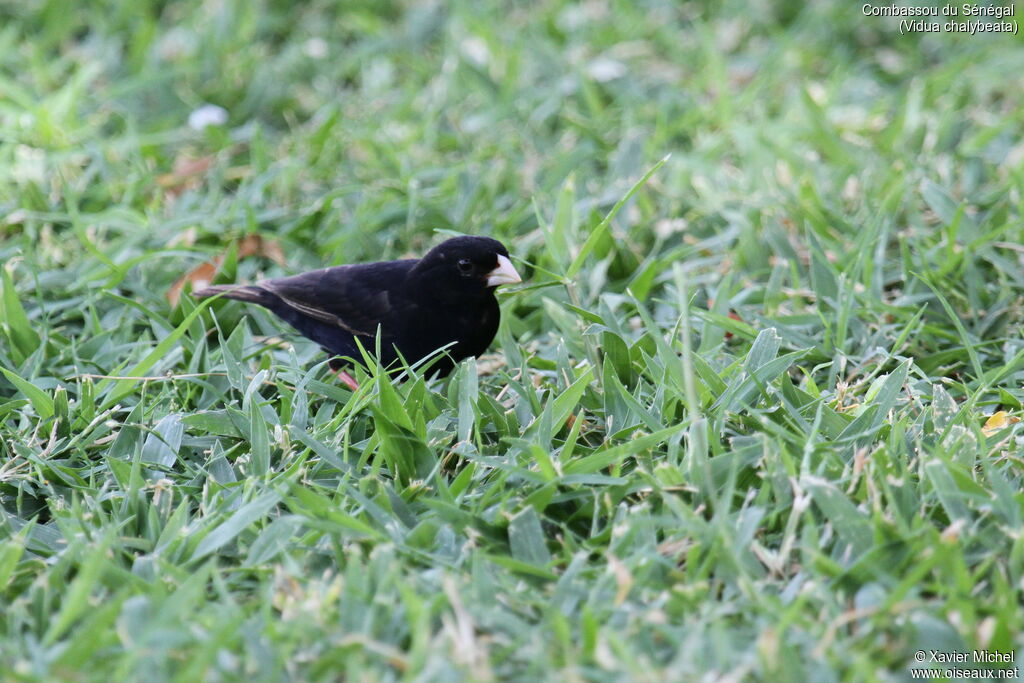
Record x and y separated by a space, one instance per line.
635 486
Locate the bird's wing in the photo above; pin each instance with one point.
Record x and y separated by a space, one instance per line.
356 299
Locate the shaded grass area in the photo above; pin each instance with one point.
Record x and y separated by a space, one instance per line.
637 484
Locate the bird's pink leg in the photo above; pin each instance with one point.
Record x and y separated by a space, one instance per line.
348 380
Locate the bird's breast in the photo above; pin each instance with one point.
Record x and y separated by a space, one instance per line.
469 328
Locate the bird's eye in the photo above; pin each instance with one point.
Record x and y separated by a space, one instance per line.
465 266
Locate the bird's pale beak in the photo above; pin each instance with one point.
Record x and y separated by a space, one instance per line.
504 274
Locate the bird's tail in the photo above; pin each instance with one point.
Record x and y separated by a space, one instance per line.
252 293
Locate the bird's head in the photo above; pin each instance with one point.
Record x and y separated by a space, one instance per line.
467 265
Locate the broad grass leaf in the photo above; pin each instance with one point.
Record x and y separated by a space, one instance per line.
15 322
39 399
526 538
241 519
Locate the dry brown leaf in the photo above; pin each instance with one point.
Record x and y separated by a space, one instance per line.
255 244
202 275
1000 420
184 239
186 174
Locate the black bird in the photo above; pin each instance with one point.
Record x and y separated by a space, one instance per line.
419 305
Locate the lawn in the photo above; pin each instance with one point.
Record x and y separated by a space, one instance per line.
753 414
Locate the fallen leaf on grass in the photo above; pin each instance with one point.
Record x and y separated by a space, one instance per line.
186 174
202 275
255 244
999 421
